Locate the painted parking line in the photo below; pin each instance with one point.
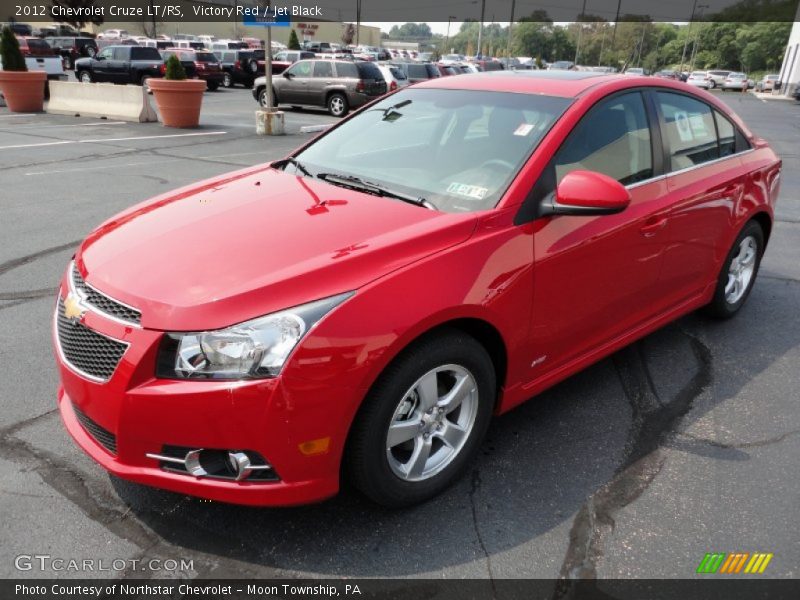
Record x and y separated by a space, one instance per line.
103 141
32 125
136 164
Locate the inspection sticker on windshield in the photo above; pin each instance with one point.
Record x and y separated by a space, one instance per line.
468 191
524 129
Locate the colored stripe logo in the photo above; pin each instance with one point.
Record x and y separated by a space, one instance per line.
734 563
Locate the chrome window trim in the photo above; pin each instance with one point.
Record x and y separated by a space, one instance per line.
687 169
72 367
95 309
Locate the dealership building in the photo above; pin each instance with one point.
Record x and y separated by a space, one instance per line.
790 69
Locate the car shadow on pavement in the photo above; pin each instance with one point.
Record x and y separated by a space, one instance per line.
561 465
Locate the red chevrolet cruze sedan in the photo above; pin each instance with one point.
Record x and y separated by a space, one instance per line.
362 308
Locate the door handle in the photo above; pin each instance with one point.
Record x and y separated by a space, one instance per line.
653 225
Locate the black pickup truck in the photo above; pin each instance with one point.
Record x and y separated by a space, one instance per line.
120 64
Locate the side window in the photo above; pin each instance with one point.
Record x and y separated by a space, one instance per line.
346 70
417 71
689 130
323 68
107 53
282 56
121 54
613 139
727 135
300 69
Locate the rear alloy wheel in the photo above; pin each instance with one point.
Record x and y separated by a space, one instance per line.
227 80
738 272
337 105
423 421
85 77
262 98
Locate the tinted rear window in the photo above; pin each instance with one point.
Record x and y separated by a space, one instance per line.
206 57
145 53
369 71
38 45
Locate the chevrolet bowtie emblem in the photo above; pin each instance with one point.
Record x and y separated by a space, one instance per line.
73 308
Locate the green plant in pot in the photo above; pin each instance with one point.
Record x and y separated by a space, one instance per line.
178 99
23 90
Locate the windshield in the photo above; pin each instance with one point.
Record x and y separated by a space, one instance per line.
457 149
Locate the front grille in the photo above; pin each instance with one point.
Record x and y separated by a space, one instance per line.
102 302
87 351
101 435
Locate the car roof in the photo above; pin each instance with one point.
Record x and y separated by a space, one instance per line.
565 84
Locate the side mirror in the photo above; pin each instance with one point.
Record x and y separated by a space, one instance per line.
287 75
99 57
587 193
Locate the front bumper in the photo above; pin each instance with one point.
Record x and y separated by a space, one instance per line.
276 418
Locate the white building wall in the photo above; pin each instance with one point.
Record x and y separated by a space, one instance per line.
790 69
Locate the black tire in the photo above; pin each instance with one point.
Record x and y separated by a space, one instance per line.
253 66
84 77
720 307
337 105
262 98
712 84
212 86
227 80
366 461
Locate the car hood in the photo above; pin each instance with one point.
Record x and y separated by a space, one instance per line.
253 242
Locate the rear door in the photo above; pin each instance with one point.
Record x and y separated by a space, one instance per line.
102 64
119 65
323 78
706 182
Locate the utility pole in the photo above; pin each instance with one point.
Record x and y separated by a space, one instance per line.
510 29
696 42
480 29
450 19
686 41
616 20
358 22
580 31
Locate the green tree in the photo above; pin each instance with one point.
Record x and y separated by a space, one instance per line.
10 52
175 70
294 43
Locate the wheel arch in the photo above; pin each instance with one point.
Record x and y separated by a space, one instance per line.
765 221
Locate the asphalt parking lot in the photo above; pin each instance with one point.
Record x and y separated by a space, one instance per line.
685 443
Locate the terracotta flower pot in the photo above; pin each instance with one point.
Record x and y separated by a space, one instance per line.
23 90
178 101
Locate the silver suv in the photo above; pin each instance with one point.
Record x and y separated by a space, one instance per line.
337 85
717 78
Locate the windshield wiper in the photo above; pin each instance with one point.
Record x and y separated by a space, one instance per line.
358 184
291 160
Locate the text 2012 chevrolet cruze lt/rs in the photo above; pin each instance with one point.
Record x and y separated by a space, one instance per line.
363 307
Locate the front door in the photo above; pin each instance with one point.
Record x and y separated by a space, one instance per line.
595 277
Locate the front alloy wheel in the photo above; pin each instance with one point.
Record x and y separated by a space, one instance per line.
432 422
423 421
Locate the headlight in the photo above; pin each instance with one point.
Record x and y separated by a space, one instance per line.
252 350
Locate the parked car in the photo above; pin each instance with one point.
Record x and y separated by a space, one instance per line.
735 81
236 66
200 64
637 71
73 48
489 65
394 77
426 295
286 58
717 78
562 65
700 79
113 34
120 64
448 70
416 72
317 47
767 83
20 29
337 85
668 74
33 46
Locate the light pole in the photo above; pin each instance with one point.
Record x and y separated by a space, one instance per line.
688 33
510 28
702 7
480 29
580 31
450 19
